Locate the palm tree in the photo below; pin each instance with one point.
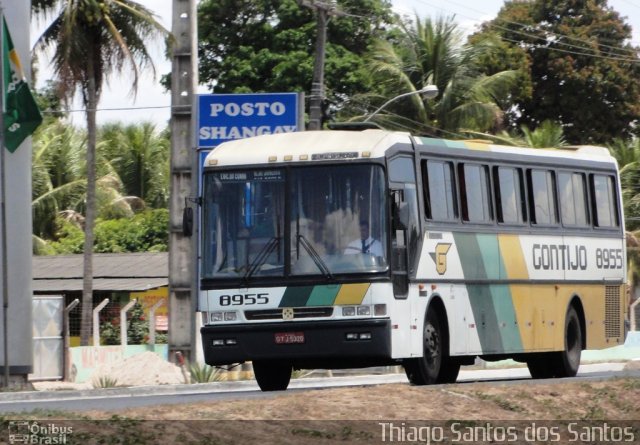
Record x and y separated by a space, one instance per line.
627 153
139 155
428 52
92 39
58 181
548 134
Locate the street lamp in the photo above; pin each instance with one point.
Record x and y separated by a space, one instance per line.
429 91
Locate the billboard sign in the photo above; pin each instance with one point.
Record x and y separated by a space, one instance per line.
224 117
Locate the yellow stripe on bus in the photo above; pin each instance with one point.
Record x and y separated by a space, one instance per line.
512 257
536 309
352 293
541 310
483 146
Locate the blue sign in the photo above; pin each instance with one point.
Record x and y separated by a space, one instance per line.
224 117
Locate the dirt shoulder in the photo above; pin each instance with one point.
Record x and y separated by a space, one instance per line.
612 399
488 412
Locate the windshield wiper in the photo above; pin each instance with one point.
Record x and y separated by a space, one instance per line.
261 257
315 256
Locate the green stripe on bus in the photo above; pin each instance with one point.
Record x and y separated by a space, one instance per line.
433 142
507 324
484 314
296 296
323 295
472 258
456 144
490 251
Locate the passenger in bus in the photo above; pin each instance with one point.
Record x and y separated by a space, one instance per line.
365 244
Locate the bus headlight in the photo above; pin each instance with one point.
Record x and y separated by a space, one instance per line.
223 316
364 310
348 311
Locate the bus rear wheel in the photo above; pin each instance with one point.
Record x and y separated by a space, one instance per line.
567 361
563 363
541 366
272 375
435 365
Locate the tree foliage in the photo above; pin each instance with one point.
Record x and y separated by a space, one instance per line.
137 328
92 39
581 66
144 232
426 51
627 153
139 155
266 46
133 174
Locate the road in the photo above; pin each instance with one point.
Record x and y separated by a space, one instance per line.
114 399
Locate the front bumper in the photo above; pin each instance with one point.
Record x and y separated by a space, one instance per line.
325 343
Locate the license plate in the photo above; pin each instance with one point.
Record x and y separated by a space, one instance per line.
288 338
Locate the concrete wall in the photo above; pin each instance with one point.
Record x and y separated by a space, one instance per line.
85 359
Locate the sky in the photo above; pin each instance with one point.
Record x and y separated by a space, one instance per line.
152 103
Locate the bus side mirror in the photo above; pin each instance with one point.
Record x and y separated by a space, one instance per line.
399 210
187 221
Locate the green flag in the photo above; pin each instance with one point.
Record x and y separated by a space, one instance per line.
21 116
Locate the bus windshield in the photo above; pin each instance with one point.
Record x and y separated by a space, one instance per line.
336 222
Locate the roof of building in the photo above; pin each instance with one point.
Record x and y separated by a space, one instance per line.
111 272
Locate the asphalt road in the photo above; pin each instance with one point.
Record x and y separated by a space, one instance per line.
114 399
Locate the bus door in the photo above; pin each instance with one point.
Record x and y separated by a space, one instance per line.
405 239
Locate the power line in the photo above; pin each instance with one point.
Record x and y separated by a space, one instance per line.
609 55
109 109
566 51
554 34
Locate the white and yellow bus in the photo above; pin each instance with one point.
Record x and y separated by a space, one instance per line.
344 249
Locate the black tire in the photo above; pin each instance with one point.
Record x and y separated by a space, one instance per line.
434 366
542 366
563 363
449 371
272 375
567 361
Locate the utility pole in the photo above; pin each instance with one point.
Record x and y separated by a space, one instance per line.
184 175
323 11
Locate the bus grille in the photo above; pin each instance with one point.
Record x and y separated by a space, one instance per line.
298 312
612 311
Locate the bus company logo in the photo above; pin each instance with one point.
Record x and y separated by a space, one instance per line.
287 313
29 432
440 257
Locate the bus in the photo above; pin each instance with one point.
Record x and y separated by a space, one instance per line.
349 249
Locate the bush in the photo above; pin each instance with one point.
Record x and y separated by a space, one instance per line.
202 373
137 328
145 232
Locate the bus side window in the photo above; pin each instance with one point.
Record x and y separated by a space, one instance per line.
542 197
439 190
510 198
605 206
475 193
573 199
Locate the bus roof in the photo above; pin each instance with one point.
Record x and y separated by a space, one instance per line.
349 145
279 147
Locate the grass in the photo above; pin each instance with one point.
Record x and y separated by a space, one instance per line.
203 373
105 382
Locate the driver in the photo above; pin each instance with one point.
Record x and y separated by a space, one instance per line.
365 244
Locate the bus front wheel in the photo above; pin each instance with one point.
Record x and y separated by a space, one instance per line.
272 375
435 365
